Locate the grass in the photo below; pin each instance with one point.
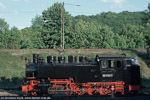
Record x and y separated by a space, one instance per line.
12 64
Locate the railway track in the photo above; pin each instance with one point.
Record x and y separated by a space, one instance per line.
17 92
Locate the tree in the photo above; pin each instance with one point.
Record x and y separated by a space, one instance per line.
52 25
4 34
105 30
120 41
15 38
148 7
92 35
80 35
146 14
147 34
133 36
107 37
147 38
37 40
26 38
37 30
37 23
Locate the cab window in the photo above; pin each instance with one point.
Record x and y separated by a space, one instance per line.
128 62
104 64
110 63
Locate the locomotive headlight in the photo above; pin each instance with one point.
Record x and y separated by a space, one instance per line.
132 59
97 60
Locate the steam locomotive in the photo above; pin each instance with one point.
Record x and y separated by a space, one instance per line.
82 75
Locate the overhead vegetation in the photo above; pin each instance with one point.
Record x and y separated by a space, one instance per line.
104 30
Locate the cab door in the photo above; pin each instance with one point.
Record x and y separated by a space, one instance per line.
107 71
119 70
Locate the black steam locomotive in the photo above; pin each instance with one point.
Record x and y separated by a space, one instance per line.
102 75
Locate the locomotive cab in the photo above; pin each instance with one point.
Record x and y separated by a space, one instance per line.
119 68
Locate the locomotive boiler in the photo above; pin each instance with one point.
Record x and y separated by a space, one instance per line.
82 75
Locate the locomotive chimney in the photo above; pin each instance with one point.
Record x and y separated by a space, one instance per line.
51 59
35 58
82 59
72 59
61 59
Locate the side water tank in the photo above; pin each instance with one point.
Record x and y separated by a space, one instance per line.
51 59
61 59
72 59
41 60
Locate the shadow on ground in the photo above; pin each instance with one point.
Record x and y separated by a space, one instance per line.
10 83
12 86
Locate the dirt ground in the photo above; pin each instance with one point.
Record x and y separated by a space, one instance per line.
68 51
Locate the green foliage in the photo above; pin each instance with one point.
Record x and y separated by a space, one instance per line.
15 38
52 25
133 36
91 35
149 7
107 37
105 30
147 34
125 28
4 34
37 30
147 37
26 38
37 23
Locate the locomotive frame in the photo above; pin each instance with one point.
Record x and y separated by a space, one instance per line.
101 75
